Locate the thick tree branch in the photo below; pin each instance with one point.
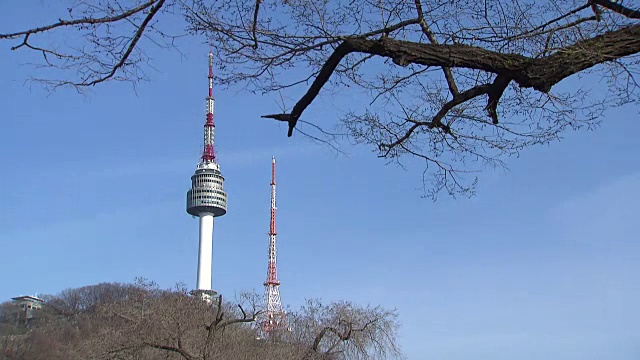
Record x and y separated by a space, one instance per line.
342 336
219 323
617 7
323 76
495 93
325 73
254 27
244 319
448 75
540 74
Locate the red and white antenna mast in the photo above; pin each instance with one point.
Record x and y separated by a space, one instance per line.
273 316
208 153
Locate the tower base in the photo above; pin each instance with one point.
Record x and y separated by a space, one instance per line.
205 295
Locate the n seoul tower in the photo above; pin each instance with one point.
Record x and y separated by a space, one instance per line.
207 199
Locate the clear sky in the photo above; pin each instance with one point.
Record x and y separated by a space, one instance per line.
542 264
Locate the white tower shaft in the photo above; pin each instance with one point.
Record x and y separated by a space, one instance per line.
205 250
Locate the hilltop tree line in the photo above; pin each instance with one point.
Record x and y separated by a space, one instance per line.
140 321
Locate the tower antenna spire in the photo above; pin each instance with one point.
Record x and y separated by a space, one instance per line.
273 316
208 152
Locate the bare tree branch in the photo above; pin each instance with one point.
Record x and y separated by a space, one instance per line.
61 23
451 82
132 44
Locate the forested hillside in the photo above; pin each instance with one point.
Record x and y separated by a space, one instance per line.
141 321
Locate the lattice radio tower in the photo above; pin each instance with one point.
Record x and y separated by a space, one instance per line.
273 317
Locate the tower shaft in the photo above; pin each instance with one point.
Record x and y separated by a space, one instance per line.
205 252
273 316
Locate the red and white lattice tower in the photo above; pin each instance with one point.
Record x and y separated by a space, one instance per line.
273 317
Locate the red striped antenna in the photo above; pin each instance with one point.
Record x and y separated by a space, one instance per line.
273 316
208 153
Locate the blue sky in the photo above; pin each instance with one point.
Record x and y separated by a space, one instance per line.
542 263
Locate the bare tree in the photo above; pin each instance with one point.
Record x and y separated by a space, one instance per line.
65 320
451 82
176 324
13 347
343 330
86 298
172 324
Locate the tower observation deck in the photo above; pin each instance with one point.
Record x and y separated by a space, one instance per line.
207 199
